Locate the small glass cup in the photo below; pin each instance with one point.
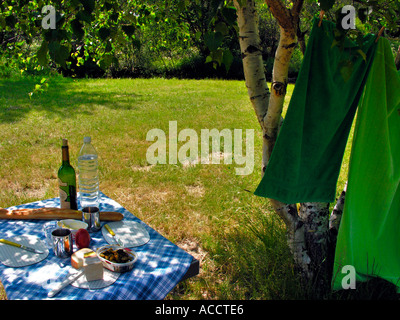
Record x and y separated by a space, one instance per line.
48 227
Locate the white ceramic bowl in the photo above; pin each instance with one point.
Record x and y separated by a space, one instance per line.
72 224
117 267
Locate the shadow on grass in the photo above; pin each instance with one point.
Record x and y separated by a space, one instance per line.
64 98
264 268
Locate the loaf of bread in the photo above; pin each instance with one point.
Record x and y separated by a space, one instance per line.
54 213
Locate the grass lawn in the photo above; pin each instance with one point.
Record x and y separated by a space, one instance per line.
203 208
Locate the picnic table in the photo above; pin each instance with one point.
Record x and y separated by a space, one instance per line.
160 266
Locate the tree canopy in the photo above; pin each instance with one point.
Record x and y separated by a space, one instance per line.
104 33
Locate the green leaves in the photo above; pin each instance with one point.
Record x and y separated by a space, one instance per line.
223 20
42 54
104 33
129 30
77 29
84 16
88 5
227 59
363 14
222 28
61 54
213 40
39 88
220 57
10 21
103 29
106 60
229 13
326 5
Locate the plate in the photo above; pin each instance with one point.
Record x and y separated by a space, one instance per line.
131 233
16 257
109 278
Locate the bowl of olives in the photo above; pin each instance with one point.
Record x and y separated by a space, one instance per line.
117 258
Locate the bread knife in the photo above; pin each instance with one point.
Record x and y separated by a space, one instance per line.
18 245
113 234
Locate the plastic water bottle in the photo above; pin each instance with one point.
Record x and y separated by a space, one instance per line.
88 175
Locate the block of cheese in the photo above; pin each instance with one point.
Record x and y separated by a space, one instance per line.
92 266
87 260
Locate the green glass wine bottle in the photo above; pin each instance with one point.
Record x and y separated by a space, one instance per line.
67 180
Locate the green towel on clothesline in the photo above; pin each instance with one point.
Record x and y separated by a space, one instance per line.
369 232
306 160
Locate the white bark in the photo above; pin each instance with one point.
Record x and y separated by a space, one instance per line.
336 215
253 66
287 43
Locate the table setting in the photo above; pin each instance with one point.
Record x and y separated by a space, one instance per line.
47 257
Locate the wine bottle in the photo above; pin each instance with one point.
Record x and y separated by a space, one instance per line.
67 180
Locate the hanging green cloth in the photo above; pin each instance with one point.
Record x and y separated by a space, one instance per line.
369 232
306 160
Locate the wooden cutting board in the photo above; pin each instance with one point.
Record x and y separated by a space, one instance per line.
54 213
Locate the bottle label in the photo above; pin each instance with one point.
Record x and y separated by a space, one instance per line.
67 195
63 200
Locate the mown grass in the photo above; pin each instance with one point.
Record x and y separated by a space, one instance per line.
206 209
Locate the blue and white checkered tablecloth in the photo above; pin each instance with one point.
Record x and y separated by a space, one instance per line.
160 265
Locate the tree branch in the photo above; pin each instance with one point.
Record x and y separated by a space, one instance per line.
281 13
283 54
288 22
297 6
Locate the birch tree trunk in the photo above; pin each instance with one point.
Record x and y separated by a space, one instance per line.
307 229
287 43
268 109
253 66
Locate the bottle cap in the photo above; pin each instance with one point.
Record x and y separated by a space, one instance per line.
87 139
65 142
